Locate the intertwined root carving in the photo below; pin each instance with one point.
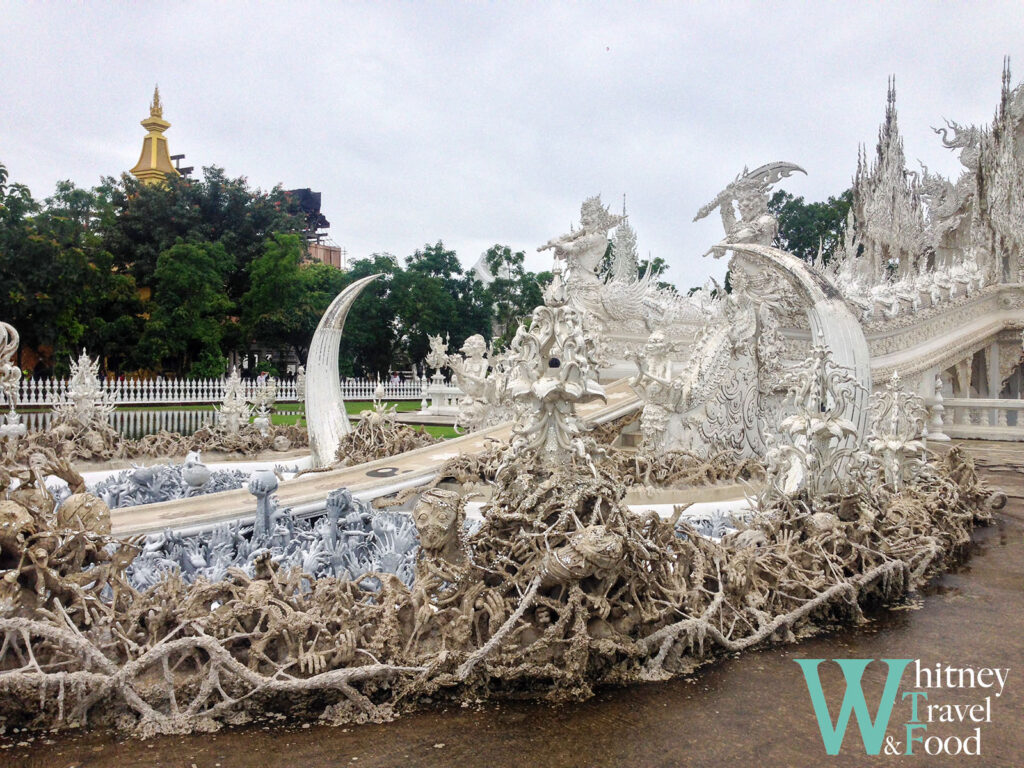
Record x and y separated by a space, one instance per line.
378 435
561 589
73 442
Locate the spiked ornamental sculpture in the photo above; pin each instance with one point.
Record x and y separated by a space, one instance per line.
552 368
86 405
10 376
234 409
263 400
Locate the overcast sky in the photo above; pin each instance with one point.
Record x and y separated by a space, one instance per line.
477 123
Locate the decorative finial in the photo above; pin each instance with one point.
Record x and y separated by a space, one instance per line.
890 98
156 109
1004 100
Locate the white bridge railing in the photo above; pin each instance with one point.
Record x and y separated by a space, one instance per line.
983 418
46 392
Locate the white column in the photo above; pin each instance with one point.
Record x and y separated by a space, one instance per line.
992 358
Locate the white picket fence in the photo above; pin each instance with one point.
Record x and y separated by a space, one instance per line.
45 392
135 424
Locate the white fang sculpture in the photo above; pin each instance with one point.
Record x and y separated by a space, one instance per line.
325 408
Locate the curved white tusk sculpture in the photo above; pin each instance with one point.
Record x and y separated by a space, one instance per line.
325 407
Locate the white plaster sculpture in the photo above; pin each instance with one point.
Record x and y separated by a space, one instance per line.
583 249
325 407
484 382
437 357
234 410
86 404
729 387
915 242
748 195
552 368
263 400
897 432
625 258
620 308
10 376
816 443
300 390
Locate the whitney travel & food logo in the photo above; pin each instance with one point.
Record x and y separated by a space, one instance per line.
966 716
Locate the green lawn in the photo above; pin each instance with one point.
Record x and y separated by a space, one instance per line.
440 430
283 419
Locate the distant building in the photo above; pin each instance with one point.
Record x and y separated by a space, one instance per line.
321 247
481 271
155 164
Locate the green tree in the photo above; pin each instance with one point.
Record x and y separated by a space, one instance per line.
435 296
60 290
804 227
371 330
190 307
140 221
513 293
107 310
287 295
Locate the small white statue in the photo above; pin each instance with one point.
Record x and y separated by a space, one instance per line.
86 403
584 249
233 411
749 193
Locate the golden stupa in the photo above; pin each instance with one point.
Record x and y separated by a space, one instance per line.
154 164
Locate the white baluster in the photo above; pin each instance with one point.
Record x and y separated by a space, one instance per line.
935 426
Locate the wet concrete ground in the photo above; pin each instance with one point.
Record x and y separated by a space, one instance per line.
752 710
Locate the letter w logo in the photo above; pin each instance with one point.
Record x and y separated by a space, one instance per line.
871 732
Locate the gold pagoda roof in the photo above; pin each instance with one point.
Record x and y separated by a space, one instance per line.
154 164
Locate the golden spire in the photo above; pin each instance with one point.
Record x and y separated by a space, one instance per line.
154 164
156 109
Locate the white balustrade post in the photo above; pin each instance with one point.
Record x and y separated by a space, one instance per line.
936 430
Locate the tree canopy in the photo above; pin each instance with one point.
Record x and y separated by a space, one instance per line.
174 278
804 227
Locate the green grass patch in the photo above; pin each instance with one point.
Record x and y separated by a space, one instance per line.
440 430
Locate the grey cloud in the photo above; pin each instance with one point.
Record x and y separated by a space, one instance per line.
489 123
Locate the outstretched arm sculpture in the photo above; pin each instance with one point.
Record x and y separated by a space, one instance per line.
325 408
